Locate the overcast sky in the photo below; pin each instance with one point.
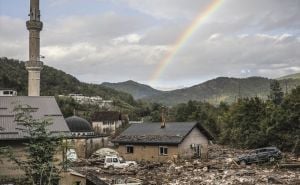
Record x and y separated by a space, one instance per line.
117 40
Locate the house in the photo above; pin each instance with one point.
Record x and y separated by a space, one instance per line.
11 133
162 142
106 122
83 138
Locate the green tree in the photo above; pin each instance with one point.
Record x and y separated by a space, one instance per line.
276 94
242 125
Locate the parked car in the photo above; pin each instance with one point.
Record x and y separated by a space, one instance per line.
260 155
117 162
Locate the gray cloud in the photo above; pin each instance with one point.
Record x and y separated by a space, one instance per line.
241 38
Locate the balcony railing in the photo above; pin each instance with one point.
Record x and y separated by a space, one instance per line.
34 64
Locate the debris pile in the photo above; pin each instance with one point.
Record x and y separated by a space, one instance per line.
218 169
101 153
199 173
97 158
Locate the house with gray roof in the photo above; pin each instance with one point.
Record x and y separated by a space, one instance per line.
12 134
44 107
163 141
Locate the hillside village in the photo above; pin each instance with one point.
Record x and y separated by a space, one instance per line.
184 149
57 130
187 148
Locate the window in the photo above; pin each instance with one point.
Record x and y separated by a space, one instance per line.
163 150
129 149
109 160
115 160
77 183
106 130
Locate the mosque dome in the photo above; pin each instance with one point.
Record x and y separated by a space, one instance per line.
77 124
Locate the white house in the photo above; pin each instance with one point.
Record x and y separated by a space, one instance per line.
106 122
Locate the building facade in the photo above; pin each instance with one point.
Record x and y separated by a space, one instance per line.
106 122
153 142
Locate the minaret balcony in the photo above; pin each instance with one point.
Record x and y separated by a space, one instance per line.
34 65
34 25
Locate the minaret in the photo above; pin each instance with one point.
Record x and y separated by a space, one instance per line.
34 65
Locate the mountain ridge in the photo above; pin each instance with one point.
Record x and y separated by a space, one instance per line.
137 90
290 76
226 89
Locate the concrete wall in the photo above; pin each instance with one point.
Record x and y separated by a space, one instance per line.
85 147
9 168
34 82
99 142
80 146
147 153
194 138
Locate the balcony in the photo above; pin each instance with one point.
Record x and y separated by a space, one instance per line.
34 25
34 65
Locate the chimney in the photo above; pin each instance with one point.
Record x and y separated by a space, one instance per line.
163 118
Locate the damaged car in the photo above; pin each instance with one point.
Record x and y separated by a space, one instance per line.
260 155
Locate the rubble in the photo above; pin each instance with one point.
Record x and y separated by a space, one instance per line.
218 169
97 158
274 180
101 153
291 165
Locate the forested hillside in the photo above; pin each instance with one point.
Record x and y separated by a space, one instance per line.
54 82
223 89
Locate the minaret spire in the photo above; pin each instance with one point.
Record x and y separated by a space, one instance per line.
34 65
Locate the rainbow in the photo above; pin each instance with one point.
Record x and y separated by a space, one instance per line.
184 37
